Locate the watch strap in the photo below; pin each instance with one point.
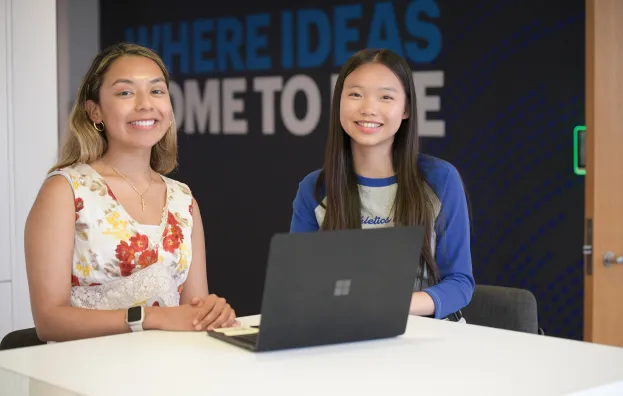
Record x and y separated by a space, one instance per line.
136 327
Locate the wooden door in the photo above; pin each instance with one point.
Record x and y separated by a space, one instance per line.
603 283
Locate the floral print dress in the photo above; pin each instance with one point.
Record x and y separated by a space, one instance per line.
119 263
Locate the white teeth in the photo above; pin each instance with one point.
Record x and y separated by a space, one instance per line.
144 123
369 124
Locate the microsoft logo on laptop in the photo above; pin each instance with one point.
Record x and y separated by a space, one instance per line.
342 287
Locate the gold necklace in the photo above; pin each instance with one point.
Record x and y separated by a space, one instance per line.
132 185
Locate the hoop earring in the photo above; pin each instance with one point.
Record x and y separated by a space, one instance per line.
96 128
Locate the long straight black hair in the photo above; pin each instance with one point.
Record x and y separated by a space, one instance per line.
415 203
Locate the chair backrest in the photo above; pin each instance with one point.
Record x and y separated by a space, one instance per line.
503 308
20 339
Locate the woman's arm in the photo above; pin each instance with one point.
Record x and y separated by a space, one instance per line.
452 252
213 311
49 244
196 284
304 205
421 304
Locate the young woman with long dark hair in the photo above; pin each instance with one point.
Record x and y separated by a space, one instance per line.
374 176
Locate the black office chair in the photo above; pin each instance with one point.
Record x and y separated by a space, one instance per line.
20 339
503 308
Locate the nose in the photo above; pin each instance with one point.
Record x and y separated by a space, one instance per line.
368 107
143 101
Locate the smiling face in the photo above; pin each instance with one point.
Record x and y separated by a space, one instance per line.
134 103
372 105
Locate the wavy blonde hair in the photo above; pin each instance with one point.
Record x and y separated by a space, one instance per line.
86 144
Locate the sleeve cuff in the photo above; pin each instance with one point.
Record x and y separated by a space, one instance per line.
436 301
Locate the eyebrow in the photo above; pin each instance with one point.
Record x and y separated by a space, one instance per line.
380 89
126 81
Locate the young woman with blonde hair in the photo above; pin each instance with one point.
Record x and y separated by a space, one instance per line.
113 245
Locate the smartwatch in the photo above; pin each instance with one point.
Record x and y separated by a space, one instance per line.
135 316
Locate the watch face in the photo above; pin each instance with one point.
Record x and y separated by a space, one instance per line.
134 314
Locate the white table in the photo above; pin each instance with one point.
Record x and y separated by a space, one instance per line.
433 357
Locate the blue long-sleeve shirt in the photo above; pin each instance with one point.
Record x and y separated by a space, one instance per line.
451 235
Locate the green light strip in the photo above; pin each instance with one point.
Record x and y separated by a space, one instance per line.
576 149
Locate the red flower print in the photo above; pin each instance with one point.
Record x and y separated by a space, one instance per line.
95 284
79 206
155 304
173 235
125 253
110 193
75 281
139 242
147 258
171 220
126 269
171 243
176 232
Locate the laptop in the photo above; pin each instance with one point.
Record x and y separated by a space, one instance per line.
333 287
